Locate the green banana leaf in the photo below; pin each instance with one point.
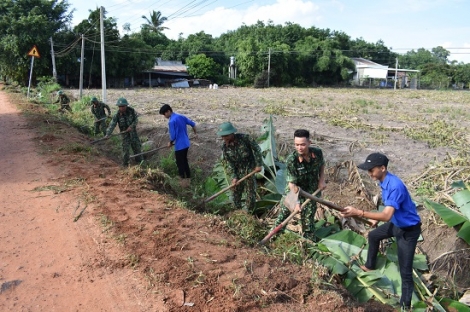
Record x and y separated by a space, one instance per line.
452 305
350 237
419 260
267 143
464 232
450 217
462 200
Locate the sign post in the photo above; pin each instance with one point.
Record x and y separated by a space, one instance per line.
33 53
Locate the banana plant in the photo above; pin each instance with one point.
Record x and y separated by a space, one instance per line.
453 217
343 253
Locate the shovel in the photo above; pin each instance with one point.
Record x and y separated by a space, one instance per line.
332 206
149 151
198 207
106 138
284 223
152 150
96 121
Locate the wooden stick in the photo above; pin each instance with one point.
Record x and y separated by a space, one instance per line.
332 206
224 190
284 223
150 151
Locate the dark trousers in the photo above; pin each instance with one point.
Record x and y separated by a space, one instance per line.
182 163
406 239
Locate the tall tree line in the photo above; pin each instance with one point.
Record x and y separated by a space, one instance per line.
294 55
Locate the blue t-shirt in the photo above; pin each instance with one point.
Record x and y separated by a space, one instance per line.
395 194
178 131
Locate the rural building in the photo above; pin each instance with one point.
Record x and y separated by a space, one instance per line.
371 74
164 73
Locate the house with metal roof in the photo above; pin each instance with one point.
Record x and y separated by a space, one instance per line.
164 73
370 74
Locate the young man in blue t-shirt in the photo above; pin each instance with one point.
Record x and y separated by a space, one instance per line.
402 222
179 138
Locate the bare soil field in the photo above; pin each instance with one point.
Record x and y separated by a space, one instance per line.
98 237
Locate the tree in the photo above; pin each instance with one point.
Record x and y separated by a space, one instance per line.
440 54
155 22
24 23
201 66
416 59
462 74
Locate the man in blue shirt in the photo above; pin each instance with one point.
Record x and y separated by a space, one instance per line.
402 222
179 138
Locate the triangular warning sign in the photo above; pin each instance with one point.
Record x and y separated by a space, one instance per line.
34 52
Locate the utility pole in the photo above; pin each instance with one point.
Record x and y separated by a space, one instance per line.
396 74
269 65
103 67
54 71
82 61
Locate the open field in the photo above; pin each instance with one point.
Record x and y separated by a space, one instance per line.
179 260
414 128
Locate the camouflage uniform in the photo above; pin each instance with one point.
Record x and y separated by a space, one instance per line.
64 102
129 139
242 157
305 175
99 113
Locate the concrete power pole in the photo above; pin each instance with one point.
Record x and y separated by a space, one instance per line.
396 74
103 67
269 65
82 61
54 70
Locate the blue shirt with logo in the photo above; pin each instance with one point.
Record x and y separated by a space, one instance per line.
395 194
178 131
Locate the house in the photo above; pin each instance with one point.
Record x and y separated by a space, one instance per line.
370 74
164 73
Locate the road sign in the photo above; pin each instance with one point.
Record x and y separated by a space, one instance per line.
34 52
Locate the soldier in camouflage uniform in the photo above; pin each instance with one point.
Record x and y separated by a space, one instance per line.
97 108
305 169
126 118
243 155
64 101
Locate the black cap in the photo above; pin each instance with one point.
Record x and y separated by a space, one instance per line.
374 160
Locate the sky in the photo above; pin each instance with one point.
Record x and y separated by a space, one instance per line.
402 25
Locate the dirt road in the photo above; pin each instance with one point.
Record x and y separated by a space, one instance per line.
46 258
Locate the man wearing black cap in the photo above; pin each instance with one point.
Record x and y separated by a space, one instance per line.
402 222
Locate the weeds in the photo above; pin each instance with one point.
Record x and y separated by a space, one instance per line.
56 189
133 260
105 222
121 238
246 227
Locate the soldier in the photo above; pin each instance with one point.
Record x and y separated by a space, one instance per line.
98 110
64 101
126 118
305 169
243 155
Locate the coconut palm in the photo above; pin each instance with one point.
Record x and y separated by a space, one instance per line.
155 22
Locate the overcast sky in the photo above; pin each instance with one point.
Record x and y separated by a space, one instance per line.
402 25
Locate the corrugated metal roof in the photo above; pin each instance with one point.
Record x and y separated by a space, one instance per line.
171 68
362 61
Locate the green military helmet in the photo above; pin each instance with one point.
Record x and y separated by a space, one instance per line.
122 102
94 99
60 92
226 128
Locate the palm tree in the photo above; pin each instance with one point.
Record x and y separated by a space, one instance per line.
155 22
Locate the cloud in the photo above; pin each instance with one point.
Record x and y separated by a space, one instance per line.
221 19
